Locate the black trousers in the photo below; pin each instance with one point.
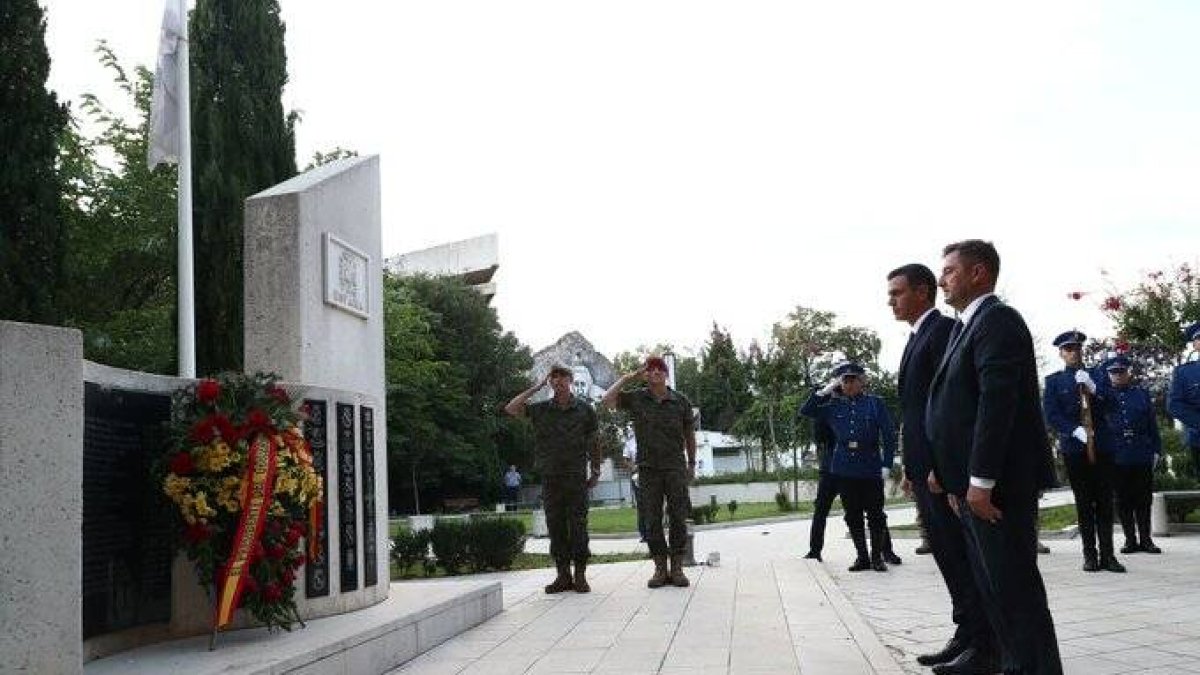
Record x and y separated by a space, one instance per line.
950 554
827 491
565 499
1092 485
864 496
670 486
1135 485
1003 557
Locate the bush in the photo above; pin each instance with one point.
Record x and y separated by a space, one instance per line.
409 548
732 506
494 543
705 514
478 544
450 541
782 501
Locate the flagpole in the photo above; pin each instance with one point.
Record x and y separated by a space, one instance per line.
187 312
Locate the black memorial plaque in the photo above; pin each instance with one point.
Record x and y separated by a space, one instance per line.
316 432
370 567
127 537
347 499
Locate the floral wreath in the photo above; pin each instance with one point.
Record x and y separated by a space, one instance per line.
240 476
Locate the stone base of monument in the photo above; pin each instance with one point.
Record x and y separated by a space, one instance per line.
416 617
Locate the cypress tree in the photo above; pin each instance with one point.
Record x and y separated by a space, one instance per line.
32 231
242 143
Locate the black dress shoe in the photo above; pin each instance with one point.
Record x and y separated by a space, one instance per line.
1130 547
924 549
951 651
1042 548
860 564
1111 564
1090 563
813 555
971 661
879 565
891 558
1149 547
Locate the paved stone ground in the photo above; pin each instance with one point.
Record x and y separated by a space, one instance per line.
1146 621
764 610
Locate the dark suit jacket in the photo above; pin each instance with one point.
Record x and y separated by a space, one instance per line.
984 417
921 358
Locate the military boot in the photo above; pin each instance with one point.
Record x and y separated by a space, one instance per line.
581 583
677 577
660 572
563 581
1090 561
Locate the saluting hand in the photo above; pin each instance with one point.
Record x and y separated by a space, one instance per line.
980 502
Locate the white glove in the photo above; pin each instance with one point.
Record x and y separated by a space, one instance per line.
1085 378
884 473
827 390
1080 435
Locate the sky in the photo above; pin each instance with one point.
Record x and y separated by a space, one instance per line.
653 167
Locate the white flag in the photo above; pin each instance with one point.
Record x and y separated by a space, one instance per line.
164 105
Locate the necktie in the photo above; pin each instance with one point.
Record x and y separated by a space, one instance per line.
956 331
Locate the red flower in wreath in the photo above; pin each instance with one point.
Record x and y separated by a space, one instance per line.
182 464
272 593
210 428
251 584
197 533
277 392
1111 304
257 421
208 391
275 551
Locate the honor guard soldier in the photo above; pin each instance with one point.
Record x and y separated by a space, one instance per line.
1131 433
1089 465
865 442
1184 400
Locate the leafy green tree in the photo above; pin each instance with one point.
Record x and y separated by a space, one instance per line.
724 392
242 143
450 369
322 158
802 352
121 218
32 232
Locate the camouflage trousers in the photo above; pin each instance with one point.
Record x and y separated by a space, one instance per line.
565 500
670 486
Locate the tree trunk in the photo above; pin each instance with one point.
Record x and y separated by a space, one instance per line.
416 491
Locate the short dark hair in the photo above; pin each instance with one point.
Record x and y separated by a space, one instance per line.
563 371
976 252
917 275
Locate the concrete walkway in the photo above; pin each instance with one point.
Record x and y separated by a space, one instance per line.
765 610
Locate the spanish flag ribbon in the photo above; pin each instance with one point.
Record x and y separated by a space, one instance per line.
260 484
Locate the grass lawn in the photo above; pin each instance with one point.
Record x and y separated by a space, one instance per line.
1049 518
620 520
524 561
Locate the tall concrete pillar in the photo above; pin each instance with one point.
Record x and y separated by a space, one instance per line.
41 501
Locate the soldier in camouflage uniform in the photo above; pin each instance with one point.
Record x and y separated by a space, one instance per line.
665 429
565 443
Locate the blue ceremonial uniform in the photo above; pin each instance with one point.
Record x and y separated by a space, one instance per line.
861 425
1130 429
1061 405
1091 481
1183 402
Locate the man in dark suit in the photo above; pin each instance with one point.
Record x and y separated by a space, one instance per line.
991 454
912 293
